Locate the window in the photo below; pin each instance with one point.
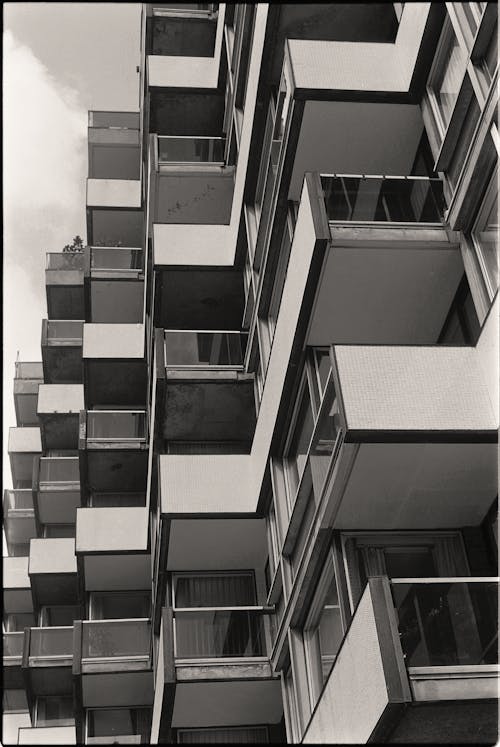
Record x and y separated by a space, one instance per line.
15 701
59 530
118 722
16 622
54 711
59 615
485 235
402 555
461 326
323 631
105 500
446 78
127 605
299 440
280 276
229 735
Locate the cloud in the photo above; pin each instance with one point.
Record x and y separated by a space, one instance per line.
44 170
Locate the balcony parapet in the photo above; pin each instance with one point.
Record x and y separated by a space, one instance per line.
113 429
115 645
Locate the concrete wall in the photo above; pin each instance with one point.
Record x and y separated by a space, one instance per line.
15 573
48 735
205 483
60 398
25 440
370 66
186 244
124 193
487 354
113 341
114 529
52 555
355 695
159 687
11 722
413 388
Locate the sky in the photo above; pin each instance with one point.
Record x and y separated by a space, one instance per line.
59 61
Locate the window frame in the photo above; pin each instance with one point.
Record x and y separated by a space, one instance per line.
487 201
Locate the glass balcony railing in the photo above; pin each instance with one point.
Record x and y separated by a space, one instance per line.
64 470
115 259
116 425
13 645
64 261
187 149
219 633
109 639
29 371
116 739
189 349
447 622
54 642
62 332
18 503
394 199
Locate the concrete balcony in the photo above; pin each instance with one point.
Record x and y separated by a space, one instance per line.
227 694
197 195
47 735
62 351
59 408
114 263
19 520
419 434
16 585
24 444
112 548
115 301
115 364
113 450
64 285
48 661
53 571
114 152
113 663
13 644
183 47
114 193
56 486
374 688
27 378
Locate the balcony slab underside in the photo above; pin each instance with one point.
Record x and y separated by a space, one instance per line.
59 430
115 689
461 721
116 468
385 285
51 678
62 364
414 485
116 571
58 506
115 382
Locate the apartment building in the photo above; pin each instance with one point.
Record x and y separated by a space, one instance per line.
255 472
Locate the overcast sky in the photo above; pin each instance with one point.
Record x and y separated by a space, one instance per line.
59 61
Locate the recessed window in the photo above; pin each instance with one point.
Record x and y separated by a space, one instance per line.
323 631
115 605
118 722
485 235
447 77
54 711
300 438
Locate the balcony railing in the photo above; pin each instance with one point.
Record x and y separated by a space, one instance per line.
64 332
202 10
51 643
219 633
115 259
116 639
61 470
191 150
116 425
64 261
18 503
394 199
29 371
115 739
191 349
447 621
13 645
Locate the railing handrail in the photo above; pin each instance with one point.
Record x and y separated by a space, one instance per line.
127 412
190 137
66 321
208 331
445 580
382 176
114 248
51 627
45 458
247 608
119 620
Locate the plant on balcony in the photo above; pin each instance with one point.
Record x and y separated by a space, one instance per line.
76 246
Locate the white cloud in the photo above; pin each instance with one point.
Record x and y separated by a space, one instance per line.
44 170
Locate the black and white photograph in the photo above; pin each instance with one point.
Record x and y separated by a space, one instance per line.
250 373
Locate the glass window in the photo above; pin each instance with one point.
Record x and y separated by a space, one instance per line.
448 78
323 631
115 722
485 235
296 455
217 590
60 615
14 701
115 605
54 711
461 326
